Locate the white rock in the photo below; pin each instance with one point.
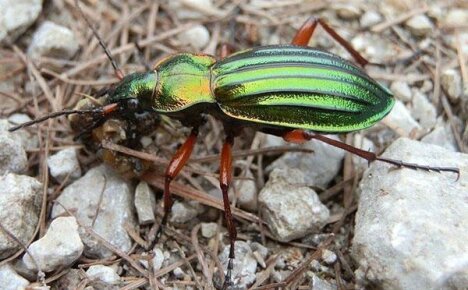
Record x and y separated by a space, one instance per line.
452 83
320 167
20 204
420 25
247 197
53 40
291 210
158 259
29 139
401 90
365 144
145 203
347 11
197 37
16 16
184 9
185 211
423 111
320 284
208 230
400 120
370 18
60 246
10 280
329 257
103 274
412 226
12 154
102 187
442 135
245 264
64 164
178 273
456 17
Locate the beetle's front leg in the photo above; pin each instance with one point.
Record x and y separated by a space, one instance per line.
176 164
304 34
301 136
225 178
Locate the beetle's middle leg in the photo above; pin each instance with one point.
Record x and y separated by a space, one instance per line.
301 136
176 164
304 34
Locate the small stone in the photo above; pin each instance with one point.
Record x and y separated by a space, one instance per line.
401 90
248 193
197 37
291 210
244 264
400 120
103 274
347 11
442 135
365 144
412 225
370 18
17 16
53 40
20 204
71 280
261 249
322 165
29 140
456 17
194 9
145 203
158 259
12 154
60 246
208 230
329 257
64 164
104 201
178 273
420 25
10 280
452 83
424 111
185 211
320 284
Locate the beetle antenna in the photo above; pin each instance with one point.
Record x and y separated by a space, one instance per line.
117 70
54 115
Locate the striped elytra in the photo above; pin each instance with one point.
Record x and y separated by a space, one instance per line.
298 87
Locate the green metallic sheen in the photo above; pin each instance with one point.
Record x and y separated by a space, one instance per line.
184 80
269 87
298 87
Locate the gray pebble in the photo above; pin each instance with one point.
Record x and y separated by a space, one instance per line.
17 16
145 203
59 247
245 264
102 187
412 225
290 210
103 274
401 90
12 154
185 211
208 230
370 18
10 280
20 204
420 25
64 164
451 81
424 111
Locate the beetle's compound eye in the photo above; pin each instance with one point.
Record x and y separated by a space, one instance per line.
133 104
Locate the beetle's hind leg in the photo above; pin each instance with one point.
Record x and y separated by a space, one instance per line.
176 164
304 34
225 178
300 136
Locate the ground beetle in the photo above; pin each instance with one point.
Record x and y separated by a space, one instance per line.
292 91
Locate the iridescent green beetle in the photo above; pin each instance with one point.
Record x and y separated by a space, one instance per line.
291 91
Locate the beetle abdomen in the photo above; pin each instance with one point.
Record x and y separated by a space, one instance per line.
298 87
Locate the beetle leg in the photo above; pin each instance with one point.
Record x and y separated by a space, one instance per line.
300 136
304 34
175 166
225 178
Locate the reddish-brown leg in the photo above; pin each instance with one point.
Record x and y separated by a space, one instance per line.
304 34
225 177
300 136
175 166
